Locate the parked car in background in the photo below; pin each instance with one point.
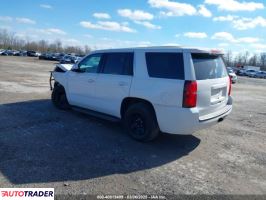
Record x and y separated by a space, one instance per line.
47 56
232 74
251 68
7 53
52 56
21 53
43 56
250 72
260 74
68 59
59 56
78 59
16 53
241 72
32 53
2 52
38 54
80 56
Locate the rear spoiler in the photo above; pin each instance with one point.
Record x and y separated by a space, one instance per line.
216 51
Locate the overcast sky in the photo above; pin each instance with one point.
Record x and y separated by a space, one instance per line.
225 24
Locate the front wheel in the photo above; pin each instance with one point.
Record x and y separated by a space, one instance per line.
140 122
59 98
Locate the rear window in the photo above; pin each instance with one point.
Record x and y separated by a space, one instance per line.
165 65
208 66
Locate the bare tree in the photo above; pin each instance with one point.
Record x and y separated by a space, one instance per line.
87 49
245 58
228 58
253 60
238 60
4 39
58 44
9 40
42 46
263 61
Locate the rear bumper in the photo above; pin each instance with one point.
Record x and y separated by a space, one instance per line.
185 121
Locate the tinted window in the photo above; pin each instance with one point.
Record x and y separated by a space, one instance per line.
91 63
165 65
208 66
118 63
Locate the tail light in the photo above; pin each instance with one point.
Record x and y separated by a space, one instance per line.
190 94
230 86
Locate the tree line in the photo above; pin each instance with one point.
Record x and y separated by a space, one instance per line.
245 59
9 40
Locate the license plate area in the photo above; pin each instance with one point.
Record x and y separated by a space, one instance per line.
218 95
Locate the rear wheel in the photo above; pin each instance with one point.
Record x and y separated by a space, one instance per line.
140 122
59 98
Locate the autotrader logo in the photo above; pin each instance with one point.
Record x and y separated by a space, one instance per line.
27 193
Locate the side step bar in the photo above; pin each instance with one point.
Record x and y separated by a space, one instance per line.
96 114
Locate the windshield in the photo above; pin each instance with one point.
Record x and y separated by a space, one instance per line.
208 66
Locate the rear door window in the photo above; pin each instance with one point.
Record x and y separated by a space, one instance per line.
165 65
118 63
208 66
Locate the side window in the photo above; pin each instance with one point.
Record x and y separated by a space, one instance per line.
165 65
118 63
91 64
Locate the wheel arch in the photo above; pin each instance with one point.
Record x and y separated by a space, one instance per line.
132 100
56 96
59 85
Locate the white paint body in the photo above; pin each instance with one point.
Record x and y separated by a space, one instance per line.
105 92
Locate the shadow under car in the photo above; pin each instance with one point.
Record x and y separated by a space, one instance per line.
40 144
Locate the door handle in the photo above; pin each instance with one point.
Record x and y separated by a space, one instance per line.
122 83
91 81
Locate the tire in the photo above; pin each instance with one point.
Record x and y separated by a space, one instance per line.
140 122
59 98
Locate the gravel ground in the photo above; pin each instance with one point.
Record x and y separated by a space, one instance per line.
41 146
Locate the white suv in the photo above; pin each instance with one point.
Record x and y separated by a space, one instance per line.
152 90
